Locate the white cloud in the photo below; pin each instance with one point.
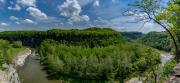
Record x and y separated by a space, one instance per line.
72 10
85 17
29 21
151 26
36 13
2 1
79 18
27 2
128 13
13 18
17 22
141 16
96 3
15 8
86 2
137 15
3 24
127 24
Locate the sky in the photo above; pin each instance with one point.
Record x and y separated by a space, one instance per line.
68 14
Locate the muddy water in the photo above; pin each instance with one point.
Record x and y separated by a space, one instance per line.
32 72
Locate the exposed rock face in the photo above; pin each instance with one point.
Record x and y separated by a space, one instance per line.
174 77
9 74
20 60
134 80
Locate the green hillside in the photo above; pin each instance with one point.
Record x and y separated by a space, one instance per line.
159 40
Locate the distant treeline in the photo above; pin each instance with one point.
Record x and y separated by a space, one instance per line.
90 37
132 35
159 40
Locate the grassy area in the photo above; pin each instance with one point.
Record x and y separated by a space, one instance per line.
8 52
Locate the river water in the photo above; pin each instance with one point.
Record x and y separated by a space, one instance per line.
32 71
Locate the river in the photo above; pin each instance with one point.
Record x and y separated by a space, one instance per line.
32 71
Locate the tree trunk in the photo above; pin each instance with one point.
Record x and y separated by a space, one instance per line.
173 38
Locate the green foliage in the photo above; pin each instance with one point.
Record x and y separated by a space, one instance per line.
17 44
90 37
171 15
132 35
102 63
168 67
93 53
163 72
159 40
7 52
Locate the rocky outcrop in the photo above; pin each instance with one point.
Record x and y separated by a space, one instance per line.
174 77
9 74
21 58
135 80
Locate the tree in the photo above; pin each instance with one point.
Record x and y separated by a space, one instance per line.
17 44
151 9
171 15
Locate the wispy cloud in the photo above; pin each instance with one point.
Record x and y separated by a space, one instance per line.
16 7
36 13
27 2
3 24
13 18
29 21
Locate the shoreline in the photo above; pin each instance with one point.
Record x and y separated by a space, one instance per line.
21 58
9 74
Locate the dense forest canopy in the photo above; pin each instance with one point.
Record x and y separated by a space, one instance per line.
112 62
89 37
96 53
159 40
93 53
132 35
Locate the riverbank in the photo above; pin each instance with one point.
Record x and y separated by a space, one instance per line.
9 73
165 57
21 58
32 71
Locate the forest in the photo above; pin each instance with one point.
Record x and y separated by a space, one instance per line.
89 37
112 62
93 53
159 40
132 35
104 55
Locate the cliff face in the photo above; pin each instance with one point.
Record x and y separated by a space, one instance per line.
9 74
174 77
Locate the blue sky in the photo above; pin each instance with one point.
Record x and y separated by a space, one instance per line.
67 14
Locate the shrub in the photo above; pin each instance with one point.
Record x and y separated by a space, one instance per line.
17 44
